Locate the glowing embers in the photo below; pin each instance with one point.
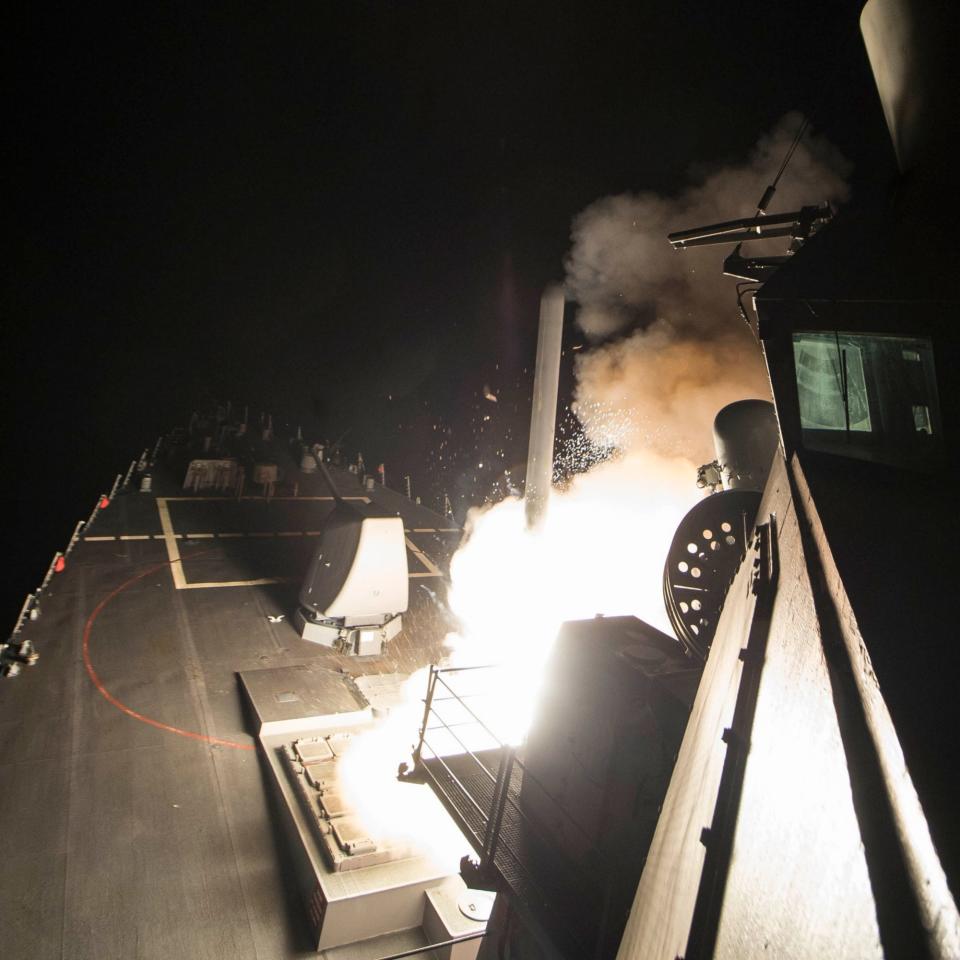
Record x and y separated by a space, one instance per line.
314 767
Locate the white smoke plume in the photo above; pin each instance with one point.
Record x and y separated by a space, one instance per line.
681 350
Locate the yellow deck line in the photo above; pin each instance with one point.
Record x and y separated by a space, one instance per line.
176 563
170 540
230 583
292 499
423 558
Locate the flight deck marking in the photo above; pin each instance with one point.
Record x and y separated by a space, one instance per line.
293 499
176 565
432 530
170 541
119 704
150 536
432 570
232 583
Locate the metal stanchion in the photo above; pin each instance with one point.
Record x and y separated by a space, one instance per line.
24 612
126 480
96 509
77 530
51 570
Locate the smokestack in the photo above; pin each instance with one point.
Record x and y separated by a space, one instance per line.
543 417
909 47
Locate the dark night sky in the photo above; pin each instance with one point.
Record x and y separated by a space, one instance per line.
316 206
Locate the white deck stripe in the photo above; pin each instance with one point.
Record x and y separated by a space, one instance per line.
170 540
293 499
176 564
423 558
230 583
229 535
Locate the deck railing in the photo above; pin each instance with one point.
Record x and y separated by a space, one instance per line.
478 776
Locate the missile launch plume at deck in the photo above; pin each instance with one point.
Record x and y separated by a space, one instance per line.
669 350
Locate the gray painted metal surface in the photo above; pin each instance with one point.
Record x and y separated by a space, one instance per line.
137 819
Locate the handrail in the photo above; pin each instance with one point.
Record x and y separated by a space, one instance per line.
466 750
437 675
476 666
456 779
434 946
528 861
472 714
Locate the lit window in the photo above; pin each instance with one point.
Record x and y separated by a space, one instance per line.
872 397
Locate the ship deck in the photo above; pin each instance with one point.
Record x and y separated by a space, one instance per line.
138 822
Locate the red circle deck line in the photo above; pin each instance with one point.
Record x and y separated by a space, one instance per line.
119 704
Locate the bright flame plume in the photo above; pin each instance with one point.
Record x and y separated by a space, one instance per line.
600 550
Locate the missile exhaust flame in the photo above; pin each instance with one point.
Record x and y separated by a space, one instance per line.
599 550
665 358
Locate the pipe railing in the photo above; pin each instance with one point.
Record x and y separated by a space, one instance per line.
129 474
31 604
502 782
